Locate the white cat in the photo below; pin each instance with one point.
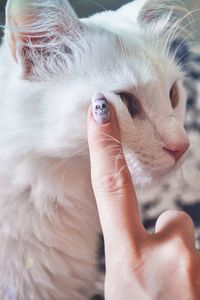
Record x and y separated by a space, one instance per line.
51 63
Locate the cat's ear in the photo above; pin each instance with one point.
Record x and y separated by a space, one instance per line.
147 12
133 9
36 27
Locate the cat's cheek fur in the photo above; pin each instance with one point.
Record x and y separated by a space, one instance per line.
143 147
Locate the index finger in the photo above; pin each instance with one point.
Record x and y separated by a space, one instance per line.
111 179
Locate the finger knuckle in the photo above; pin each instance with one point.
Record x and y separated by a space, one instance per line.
114 183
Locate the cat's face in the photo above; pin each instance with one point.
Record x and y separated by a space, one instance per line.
111 53
150 102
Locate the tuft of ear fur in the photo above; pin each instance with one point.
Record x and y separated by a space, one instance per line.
166 20
158 15
34 29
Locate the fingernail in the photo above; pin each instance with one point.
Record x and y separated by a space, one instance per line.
100 109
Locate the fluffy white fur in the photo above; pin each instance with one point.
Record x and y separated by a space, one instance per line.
51 63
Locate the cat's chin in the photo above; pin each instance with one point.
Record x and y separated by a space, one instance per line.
144 179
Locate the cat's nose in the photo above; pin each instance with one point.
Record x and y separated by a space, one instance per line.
177 149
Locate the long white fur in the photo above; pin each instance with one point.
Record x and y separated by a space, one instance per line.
47 209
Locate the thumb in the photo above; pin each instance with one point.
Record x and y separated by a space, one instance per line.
111 180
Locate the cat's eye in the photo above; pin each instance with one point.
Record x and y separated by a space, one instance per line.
131 102
174 95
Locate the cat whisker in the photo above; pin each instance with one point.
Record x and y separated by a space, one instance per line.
53 168
188 43
119 152
175 27
193 43
159 5
63 176
117 157
113 147
123 50
111 138
180 59
60 163
191 34
178 9
120 171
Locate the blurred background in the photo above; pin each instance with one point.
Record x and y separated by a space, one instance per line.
88 7
85 8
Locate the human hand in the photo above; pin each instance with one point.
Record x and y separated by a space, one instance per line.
139 266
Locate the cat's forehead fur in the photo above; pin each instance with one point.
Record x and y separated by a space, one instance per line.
136 53
133 63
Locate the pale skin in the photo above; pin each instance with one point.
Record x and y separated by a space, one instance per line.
139 266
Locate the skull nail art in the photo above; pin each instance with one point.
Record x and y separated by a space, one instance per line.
100 109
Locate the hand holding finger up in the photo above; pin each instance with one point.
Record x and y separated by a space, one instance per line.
139 266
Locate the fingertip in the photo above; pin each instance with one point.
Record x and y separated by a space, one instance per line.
175 222
102 119
165 219
173 218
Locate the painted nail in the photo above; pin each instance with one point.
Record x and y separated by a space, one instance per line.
100 109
